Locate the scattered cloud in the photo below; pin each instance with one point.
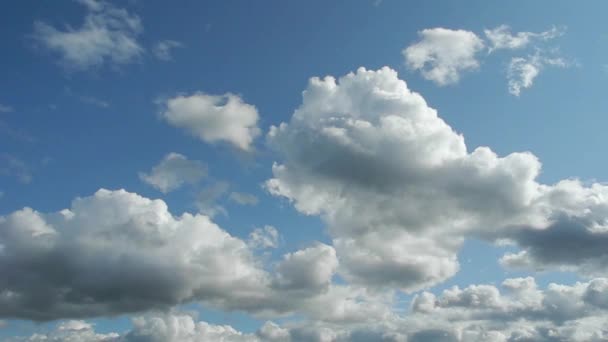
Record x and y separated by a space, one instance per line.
523 71
15 167
518 310
108 35
243 198
17 134
502 38
267 237
214 118
173 171
442 55
207 199
162 49
94 101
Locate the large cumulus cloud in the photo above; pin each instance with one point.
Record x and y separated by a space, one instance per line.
399 189
117 252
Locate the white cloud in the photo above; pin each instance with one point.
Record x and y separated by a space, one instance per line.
309 269
71 331
174 171
162 49
117 252
167 327
15 167
502 38
243 198
576 237
214 118
518 310
442 55
267 237
107 36
400 191
178 327
523 70
387 176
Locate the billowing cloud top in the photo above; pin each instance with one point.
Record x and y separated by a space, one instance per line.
400 191
116 252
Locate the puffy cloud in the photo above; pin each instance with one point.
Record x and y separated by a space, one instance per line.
243 198
576 237
523 70
71 331
307 270
117 252
162 49
108 35
442 55
174 171
502 38
168 327
214 118
400 192
522 312
182 327
393 181
267 237
518 310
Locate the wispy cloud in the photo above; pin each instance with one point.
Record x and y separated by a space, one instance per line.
442 55
13 166
108 35
523 70
94 101
162 50
502 38
6 109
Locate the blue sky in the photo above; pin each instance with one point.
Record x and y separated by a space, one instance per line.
363 199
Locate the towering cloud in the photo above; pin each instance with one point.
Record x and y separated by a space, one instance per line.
400 191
